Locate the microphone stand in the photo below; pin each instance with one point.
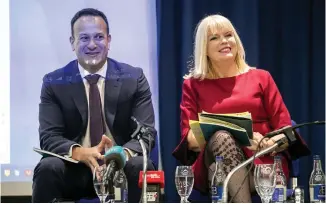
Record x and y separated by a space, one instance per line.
138 134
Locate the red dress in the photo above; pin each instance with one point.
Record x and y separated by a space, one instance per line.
254 91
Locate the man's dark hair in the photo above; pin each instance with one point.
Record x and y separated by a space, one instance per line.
88 12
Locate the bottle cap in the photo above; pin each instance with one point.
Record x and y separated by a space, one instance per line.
316 157
277 157
219 158
294 182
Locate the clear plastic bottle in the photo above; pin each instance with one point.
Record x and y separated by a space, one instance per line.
279 195
217 181
317 182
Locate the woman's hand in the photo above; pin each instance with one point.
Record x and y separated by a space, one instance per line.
271 141
255 141
267 142
193 144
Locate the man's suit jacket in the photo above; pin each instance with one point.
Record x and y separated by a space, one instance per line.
63 110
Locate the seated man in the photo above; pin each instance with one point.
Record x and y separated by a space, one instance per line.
85 108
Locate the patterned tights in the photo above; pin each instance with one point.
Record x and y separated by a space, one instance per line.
223 144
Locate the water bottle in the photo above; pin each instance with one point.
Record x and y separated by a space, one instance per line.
299 195
217 181
317 182
121 186
279 195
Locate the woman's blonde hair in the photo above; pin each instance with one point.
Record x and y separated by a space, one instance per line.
201 67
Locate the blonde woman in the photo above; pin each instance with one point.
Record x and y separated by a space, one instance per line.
221 81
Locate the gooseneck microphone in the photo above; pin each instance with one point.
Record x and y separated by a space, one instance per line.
288 130
139 132
289 138
140 129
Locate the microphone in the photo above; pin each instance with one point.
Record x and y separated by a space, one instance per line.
139 129
155 181
288 131
115 159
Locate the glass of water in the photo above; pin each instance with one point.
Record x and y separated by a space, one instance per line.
100 183
265 181
256 182
184 181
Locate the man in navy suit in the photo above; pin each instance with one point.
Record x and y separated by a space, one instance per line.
86 108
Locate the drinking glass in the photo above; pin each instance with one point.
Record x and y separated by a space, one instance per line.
255 181
184 181
100 183
265 180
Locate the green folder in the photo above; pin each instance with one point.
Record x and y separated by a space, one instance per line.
244 121
240 136
238 125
